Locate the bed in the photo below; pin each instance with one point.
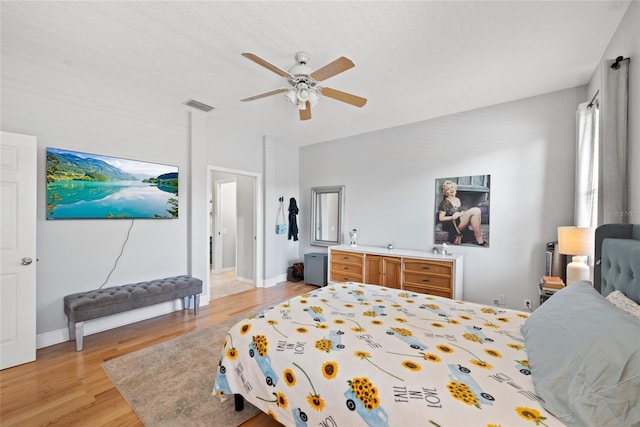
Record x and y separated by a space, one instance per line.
353 354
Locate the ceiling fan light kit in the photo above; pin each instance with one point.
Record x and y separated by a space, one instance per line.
304 91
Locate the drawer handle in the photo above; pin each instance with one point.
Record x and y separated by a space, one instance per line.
426 268
345 268
345 257
425 280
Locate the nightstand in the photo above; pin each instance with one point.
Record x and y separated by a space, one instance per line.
544 294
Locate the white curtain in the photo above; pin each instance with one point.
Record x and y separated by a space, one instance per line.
587 165
613 186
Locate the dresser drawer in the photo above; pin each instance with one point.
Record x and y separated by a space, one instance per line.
421 279
347 257
425 266
340 267
427 290
339 276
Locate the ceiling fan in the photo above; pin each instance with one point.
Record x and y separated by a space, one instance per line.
304 90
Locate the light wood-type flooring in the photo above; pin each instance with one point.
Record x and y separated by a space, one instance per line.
68 388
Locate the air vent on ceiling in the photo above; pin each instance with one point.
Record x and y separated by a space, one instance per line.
199 105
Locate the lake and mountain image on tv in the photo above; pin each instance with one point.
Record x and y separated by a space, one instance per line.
90 186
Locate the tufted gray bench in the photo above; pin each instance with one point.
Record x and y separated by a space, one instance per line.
104 302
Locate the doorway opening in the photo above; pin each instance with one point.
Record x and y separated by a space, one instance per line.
234 245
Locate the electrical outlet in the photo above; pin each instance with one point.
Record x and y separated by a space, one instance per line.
527 304
496 301
502 300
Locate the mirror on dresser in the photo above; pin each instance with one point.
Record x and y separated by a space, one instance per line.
327 206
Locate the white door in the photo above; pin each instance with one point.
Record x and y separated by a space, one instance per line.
18 164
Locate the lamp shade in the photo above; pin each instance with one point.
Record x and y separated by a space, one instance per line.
576 240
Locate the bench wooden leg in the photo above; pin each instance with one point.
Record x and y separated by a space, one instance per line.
72 330
79 327
186 302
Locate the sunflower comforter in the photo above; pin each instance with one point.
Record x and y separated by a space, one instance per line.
350 354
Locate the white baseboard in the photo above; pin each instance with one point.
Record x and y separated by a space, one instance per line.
244 280
113 321
268 283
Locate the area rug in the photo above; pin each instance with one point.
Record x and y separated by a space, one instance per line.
170 383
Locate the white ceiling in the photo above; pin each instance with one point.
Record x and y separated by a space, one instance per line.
414 60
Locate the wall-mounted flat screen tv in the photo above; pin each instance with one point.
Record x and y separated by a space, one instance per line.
91 186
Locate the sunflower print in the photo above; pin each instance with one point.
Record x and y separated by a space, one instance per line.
324 345
245 328
515 346
365 392
444 348
411 365
493 353
472 337
232 354
481 364
316 402
329 370
432 357
463 393
261 344
530 414
402 331
289 377
280 400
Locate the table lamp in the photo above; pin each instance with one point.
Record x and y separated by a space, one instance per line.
578 242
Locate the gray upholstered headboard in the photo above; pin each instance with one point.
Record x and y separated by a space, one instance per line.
617 258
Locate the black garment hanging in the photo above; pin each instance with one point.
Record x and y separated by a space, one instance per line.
293 221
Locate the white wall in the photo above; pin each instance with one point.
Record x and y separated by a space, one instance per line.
526 146
77 255
281 180
626 42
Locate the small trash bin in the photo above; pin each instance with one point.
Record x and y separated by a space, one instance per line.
315 269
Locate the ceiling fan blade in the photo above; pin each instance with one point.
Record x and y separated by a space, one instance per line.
343 96
264 95
336 67
269 66
306 113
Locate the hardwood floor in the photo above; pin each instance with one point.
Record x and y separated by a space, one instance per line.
64 387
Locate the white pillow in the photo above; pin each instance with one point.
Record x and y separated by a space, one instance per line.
620 300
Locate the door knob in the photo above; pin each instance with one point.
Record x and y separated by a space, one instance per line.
26 261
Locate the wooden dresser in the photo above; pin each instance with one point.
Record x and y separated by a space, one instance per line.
415 271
